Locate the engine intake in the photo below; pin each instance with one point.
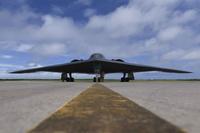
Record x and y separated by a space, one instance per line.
120 60
75 60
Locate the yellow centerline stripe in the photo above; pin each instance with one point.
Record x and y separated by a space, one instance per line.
101 110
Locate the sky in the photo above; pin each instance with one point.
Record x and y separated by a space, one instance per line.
35 33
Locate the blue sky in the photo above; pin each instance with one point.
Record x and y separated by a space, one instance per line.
153 32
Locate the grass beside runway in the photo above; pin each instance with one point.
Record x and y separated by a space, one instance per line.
100 110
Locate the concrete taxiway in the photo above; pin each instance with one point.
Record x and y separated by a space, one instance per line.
101 110
23 104
175 101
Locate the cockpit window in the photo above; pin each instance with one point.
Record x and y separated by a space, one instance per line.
97 56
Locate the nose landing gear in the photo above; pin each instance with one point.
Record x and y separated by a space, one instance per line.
99 78
96 79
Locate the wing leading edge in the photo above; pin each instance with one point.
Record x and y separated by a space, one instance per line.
79 67
107 66
116 66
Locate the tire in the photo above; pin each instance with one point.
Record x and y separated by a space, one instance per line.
67 79
72 79
122 79
99 79
94 79
127 79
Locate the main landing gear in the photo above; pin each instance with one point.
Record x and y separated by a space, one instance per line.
64 77
127 79
99 79
124 79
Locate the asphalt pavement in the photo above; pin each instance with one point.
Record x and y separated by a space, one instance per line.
23 104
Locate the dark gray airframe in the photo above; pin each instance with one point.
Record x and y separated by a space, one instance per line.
99 65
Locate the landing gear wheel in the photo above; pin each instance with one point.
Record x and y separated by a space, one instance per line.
122 79
71 80
127 79
99 79
94 79
67 79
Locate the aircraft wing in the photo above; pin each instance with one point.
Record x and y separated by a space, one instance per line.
116 66
107 66
76 67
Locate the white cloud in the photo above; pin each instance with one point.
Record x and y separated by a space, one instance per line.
10 65
24 47
170 33
120 29
6 56
174 55
33 64
57 10
183 55
125 21
185 17
50 49
89 12
6 68
193 55
56 29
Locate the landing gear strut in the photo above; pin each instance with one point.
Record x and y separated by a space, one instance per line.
124 79
71 79
64 77
128 78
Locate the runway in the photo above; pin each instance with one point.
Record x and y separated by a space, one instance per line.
101 110
26 103
175 101
23 104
